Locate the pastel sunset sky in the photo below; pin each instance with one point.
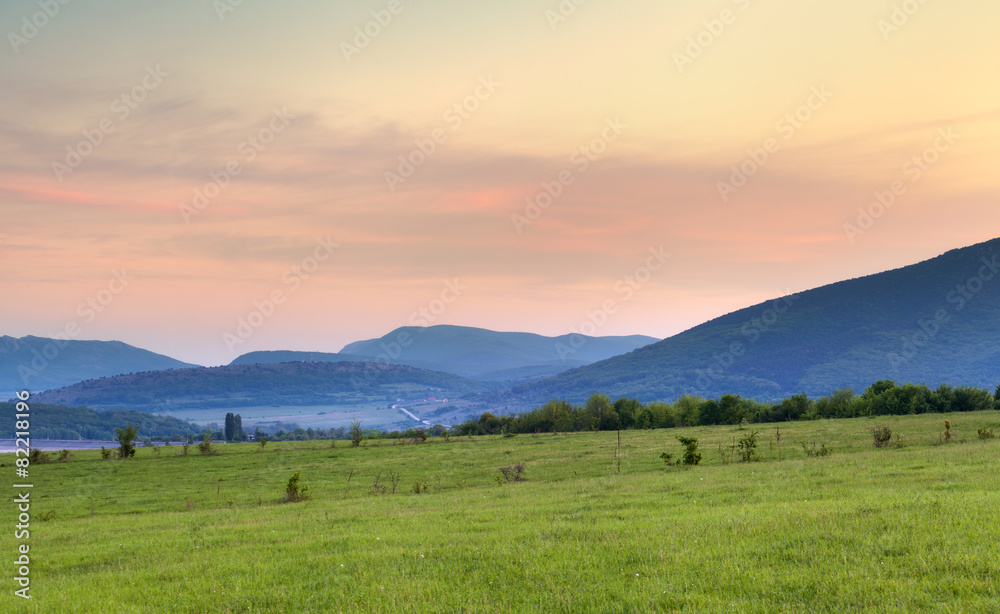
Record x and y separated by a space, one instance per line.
202 150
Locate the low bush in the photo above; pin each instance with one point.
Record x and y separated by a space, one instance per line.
294 490
813 451
881 435
513 473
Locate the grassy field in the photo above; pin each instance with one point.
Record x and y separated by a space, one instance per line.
890 530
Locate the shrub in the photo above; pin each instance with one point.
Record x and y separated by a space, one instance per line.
985 433
514 473
881 436
186 446
668 458
691 454
38 457
63 456
419 436
105 453
126 441
748 447
419 488
205 447
262 440
294 491
814 451
946 434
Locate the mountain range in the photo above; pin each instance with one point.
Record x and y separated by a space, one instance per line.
932 322
470 352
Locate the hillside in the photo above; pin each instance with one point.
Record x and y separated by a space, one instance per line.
38 363
297 383
471 352
935 321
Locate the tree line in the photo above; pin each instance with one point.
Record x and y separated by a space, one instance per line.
600 413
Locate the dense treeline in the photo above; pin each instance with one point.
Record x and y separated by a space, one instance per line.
883 398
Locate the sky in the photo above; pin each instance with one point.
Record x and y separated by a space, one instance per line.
204 178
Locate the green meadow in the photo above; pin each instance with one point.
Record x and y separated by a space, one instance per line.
592 528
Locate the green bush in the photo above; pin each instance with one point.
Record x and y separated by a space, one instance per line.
985 433
748 447
294 491
691 455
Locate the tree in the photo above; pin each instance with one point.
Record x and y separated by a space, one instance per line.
356 434
230 428
240 434
996 395
126 441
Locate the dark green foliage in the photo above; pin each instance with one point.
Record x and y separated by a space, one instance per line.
230 426
748 447
262 439
105 453
985 433
668 458
38 457
63 456
881 435
691 455
126 441
294 490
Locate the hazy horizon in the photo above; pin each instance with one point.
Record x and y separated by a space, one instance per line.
184 166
